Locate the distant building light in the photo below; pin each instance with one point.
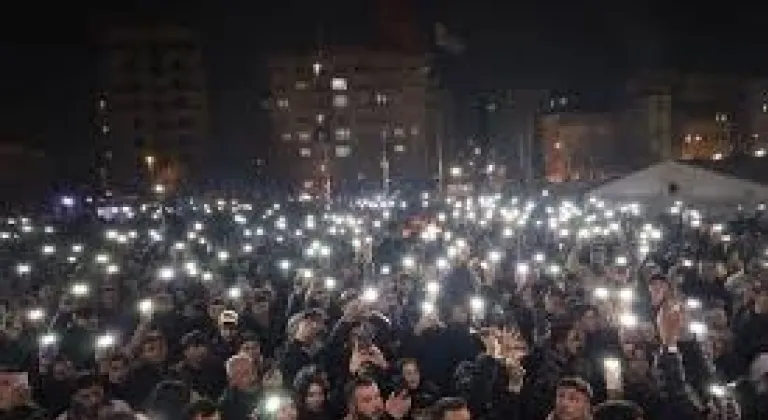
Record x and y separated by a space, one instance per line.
343 151
282 103
340 101
320 118
339 83
304 135
399 132
301 85
305 152
286 136
317 68
399 148
558 145
717 156
760 153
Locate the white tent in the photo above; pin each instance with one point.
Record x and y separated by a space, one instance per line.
670 181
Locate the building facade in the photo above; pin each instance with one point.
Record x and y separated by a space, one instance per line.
577 146
153 112
343 118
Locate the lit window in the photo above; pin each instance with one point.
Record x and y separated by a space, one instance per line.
721 117
760 153
286 136
308 183
688 138
301 85
102 104
339 83
305 152
698 137
558 145
399 148
282 103
105 129
765 107
320 118
563 101
340 101
414 130
342 134
717 156
381 99
317 68
343 151
304 135
399 132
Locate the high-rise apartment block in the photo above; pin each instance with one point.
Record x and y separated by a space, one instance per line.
153 112
348 118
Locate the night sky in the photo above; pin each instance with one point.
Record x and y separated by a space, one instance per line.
48 51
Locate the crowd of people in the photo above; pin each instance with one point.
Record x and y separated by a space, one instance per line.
445 308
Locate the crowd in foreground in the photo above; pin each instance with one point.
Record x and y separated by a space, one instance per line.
449 309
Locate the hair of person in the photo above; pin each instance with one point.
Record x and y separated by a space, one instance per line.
234 359
88 380
308 375
407 361
618 410
203 407
576 383
446 405
559 330
169 397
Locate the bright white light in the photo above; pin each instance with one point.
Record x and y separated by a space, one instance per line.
692 303
385 270
427 307
602 293
433 287
495 256
207 276
23 268
553 269
539 257
166 273
68 202
145 306
408 262
222 256
48 250
621 261
234 293
370 294
77 248
612 364
197 226
718 391
273 402
105 341
760 153
626 295
476 303
522 269
284 265
80 289
159 188
35 314
688 263
113 269
628 320
102 258
247 248
698 327
330 283
47 340
442 264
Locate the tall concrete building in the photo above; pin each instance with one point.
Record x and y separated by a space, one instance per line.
349 117
153 112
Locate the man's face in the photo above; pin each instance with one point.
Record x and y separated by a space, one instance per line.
368 402
154 350
571 404
460 414
253 350
90 398
411 375
117 371
315 397
195 353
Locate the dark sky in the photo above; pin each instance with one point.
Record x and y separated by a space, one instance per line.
47 53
